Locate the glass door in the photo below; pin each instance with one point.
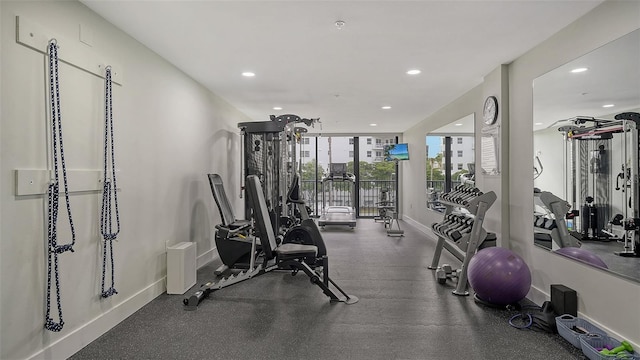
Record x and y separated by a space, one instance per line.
364 157
377 175
335 152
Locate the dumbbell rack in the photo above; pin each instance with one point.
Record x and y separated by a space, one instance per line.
462 244
556 227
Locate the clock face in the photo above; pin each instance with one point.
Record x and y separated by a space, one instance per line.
490 111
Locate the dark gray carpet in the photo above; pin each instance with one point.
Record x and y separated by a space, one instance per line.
403 313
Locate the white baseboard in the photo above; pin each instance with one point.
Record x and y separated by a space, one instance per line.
539 296
85 334
206 258
423 228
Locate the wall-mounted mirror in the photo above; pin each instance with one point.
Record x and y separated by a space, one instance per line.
446 169
586 193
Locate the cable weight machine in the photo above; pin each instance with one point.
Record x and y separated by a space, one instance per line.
592 146
269 152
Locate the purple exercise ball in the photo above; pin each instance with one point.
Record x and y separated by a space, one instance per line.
499 276
583 255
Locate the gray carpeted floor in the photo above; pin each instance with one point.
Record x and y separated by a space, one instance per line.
403 313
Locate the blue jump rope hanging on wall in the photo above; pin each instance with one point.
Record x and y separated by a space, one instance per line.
53 192
109 190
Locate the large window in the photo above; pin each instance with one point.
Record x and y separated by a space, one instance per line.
373 174
442 172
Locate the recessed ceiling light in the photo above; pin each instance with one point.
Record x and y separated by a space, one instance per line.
277 108
579 70
248 74
373 124
538 123
458 124
608 105
386 107
414 72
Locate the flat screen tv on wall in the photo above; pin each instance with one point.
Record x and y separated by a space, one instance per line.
395 152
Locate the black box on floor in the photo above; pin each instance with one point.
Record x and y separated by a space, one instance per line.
564 300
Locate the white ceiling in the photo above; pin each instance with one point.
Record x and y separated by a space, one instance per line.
306 65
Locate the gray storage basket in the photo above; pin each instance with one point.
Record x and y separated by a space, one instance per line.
565 324
590 345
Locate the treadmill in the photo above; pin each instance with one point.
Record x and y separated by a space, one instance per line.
333 214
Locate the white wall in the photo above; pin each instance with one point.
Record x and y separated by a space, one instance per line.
170 132
607 300
549 147
414 183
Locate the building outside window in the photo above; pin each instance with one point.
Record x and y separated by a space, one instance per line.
305 154
460 153
351 153
368 153
368 141
351 141
459 166
459 140
305 141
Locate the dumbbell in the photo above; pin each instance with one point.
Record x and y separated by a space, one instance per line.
448 196
457 193
466 198
467 228
464 228
550 224
624 346
443 272
448 219
448 226
462 223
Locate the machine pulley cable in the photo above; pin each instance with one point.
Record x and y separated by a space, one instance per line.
53 193
109 191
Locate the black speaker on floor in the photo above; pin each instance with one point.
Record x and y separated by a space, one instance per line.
564 300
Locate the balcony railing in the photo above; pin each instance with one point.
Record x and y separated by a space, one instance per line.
341 194
370 194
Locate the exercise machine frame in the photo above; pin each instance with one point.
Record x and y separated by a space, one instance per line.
290 257
601 131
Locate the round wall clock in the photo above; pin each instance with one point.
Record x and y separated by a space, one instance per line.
490 110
